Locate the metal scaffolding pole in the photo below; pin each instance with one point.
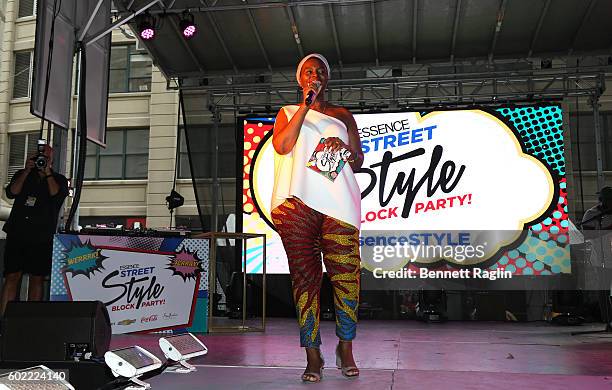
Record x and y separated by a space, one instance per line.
215 170
594 102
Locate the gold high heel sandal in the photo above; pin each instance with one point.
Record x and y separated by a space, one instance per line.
313 376
348 371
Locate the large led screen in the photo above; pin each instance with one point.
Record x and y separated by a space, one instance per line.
489 179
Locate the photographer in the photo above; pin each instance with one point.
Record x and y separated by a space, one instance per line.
599 217
39 193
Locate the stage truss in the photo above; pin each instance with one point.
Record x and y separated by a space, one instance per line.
235 94
227 93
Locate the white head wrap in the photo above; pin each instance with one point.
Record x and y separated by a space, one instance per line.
315 55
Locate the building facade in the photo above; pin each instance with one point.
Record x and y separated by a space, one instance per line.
129 179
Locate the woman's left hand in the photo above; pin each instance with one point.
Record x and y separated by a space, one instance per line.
334 144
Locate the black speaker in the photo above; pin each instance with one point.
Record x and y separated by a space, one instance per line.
565 301
489 306
431 306
234 296
567 307
54 331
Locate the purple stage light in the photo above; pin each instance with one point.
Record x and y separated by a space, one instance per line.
189 31
187 25
147 33
146 27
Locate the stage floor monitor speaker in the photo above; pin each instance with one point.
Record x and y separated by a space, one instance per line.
567 307
54 331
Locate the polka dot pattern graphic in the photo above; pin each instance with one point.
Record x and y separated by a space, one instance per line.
541 132
546 248
58 289
254 132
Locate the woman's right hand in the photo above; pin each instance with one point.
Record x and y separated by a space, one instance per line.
313 87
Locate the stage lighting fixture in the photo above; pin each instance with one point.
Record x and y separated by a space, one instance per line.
174 200
146 27
187 25
181 348
147 32
131 363
37 377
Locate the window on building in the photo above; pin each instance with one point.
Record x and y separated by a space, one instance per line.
130 69
202 147
22 74
583 123
21 146
26 8
125 156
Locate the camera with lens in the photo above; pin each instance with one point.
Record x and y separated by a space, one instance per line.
40 160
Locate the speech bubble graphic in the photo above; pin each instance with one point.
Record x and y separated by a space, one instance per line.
443 156
83 259
509 187
186 264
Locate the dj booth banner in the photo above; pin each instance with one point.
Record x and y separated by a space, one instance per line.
493 175
146 283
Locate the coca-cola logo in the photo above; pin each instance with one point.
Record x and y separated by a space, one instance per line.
150 318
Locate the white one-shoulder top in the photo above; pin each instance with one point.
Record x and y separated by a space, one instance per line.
341 198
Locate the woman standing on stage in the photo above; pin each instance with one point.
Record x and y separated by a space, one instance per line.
316 213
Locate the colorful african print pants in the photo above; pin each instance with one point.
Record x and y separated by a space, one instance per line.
306 233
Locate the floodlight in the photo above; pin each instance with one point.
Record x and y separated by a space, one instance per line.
131 363
174 200
187 25
37 377
181 348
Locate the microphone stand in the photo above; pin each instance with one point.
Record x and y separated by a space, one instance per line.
607 302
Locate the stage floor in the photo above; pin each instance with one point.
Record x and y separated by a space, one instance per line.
402 355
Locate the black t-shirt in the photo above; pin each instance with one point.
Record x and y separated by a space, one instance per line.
35 212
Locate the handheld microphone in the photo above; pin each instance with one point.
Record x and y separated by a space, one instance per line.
310 95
